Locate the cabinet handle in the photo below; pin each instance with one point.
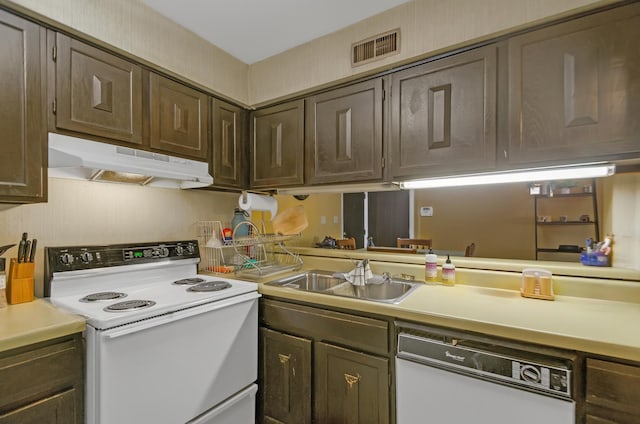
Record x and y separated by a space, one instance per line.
286 390
283 358
351 379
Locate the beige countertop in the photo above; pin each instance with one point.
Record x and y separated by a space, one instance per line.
594 326
595 310
32 322
510 265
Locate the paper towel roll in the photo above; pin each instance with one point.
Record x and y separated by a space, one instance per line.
258 202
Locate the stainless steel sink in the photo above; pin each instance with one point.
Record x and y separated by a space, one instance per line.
320 281
315 281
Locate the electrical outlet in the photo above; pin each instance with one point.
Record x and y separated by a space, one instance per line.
426 211
335 219
323 220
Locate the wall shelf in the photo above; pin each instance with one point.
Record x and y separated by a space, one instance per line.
574 230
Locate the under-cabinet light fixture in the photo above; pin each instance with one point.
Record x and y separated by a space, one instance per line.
589 170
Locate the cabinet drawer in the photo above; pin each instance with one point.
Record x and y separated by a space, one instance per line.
357 332
57 409
613 390
28 374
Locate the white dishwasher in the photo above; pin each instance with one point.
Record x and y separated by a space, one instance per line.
448 377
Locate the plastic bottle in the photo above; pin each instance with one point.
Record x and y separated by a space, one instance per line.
239 216
448 272
430 266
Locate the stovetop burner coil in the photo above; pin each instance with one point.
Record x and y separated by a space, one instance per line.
129 305
210 286
93 297
184 281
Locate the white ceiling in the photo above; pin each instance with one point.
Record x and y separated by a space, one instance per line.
252 30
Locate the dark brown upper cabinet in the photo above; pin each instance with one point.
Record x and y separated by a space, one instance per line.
574 91
443 116
344 134
96 93
178 118
22 111
228 144
277 145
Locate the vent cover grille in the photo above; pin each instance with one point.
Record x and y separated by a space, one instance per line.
375 48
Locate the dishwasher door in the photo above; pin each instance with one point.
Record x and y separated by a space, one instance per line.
426 394
445 376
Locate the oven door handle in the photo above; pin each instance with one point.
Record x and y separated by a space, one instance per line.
175 316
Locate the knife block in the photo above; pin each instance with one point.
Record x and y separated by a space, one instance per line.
20 284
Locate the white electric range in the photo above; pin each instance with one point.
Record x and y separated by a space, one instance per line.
164 344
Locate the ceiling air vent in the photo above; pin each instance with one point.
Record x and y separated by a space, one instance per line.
375 48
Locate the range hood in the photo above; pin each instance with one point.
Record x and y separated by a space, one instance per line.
76 158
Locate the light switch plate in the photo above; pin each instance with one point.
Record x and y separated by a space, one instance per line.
426 211
323 220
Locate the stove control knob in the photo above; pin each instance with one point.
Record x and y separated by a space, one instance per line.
164 252
191 248
179 250
86 257
66 258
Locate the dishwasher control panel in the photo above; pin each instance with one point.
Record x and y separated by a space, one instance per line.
490 361
554 379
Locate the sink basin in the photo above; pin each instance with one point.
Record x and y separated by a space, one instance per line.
315 281
320 281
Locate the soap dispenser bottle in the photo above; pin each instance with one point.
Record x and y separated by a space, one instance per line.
430 266
448 272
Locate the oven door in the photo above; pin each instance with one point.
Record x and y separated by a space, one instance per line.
175 367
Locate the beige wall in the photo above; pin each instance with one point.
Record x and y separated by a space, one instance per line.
80 212
498 219
426 26
132 26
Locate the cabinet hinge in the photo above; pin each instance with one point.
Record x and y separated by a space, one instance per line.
384 162
384 95
54 53
54 105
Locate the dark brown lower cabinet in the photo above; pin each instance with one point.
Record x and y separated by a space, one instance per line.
323 366
351 387
56 409
612 393
286 377
43 383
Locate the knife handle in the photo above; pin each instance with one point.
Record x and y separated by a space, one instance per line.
27 250
21 250
32 254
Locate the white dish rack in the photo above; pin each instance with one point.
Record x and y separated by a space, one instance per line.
249 256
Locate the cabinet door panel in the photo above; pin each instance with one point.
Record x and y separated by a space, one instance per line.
344 134
574 91
97 93
351 387
612 393
178 118
286 377
277 145
443 116
227 144
22 122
